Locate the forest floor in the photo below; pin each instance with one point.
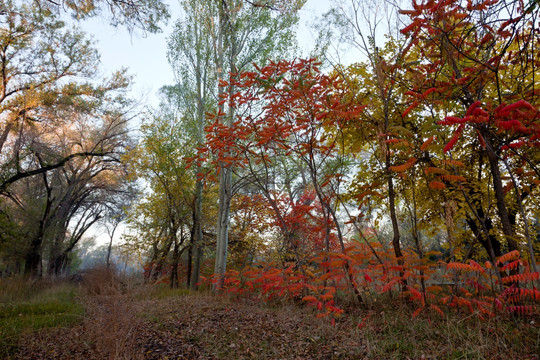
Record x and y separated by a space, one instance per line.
139 322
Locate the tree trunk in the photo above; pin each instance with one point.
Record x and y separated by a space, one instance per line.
197 244
189 261
109 248
195 276
161 261
32 265
223 224
174 267
499 193
197 237
393 215
33 257
152 262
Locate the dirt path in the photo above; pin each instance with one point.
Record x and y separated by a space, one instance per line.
192 327
144 324
206 328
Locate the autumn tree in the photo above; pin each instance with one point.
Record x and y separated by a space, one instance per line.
481 62
371 28
246 34
93 187
225 37
56 121
289 107
168 209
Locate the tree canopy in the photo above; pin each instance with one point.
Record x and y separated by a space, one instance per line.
412 170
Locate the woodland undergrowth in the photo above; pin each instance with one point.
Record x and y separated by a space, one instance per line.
331 282
265 317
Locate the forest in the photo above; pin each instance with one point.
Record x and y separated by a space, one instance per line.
400 186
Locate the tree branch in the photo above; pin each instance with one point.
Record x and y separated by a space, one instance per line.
21 175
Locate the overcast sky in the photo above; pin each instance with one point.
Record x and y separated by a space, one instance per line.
145 57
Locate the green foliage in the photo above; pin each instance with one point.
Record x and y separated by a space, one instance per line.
145 15
162 291
27 307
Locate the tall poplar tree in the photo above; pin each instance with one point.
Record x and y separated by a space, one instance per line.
190 53
248 34
240 34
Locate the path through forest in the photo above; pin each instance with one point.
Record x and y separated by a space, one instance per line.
179 325
149 322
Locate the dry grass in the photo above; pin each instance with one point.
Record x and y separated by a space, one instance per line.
391 333
21 289
126 320
108 330
110 323
28 306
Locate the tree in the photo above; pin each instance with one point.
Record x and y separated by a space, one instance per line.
362 25
168 208
213 40
246 34
191 57
57 132
145 15
295 105
489 91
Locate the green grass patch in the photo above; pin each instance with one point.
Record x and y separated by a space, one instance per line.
32 306
164 291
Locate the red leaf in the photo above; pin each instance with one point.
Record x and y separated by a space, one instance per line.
470 111
426 143
417 312
437 185
410 108
411 26
454 139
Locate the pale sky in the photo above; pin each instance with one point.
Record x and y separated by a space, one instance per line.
145 57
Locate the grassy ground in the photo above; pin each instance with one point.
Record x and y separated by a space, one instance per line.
128 321
27 306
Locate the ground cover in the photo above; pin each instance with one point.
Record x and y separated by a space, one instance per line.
126 320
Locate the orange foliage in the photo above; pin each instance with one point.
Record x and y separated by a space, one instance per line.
512 255
437 185
474 296
434 170
405 166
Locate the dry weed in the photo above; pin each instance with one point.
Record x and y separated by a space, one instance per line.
109 327
110 322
